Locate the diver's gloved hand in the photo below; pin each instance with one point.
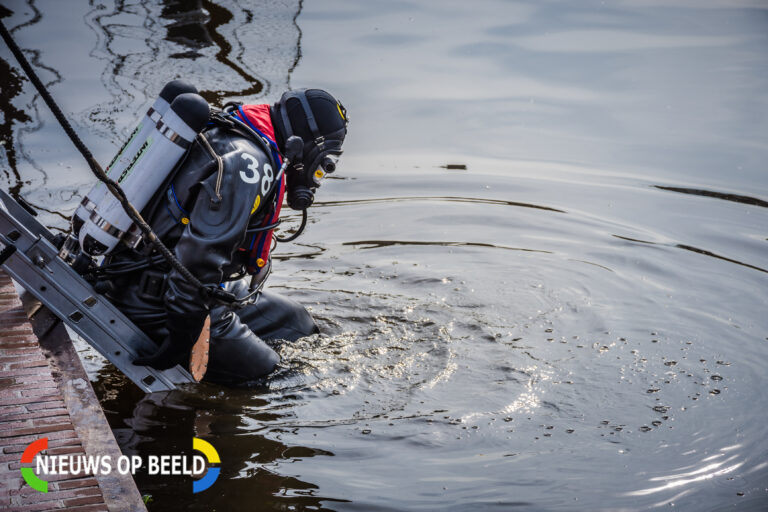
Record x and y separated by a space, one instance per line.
184 329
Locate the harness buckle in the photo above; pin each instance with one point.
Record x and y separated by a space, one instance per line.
152 285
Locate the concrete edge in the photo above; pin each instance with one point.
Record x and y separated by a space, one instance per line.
119 491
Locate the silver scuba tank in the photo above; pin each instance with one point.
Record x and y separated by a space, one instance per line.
123 157
146 171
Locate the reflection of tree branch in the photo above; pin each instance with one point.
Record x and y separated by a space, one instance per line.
36 62
11 85
221 16
52 212
298 45
35 18
100 21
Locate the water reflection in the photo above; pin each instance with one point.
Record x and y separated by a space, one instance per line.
449 199
195 25
234 421
375 244
696 250
10 85
713 466
188 25
736 198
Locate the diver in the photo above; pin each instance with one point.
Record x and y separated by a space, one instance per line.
216 212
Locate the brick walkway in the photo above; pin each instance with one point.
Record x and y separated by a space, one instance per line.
31 407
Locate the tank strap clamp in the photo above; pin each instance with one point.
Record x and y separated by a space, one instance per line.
171 135
152 285
220 119
215 201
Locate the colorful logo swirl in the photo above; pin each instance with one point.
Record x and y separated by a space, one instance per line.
27 457
212 455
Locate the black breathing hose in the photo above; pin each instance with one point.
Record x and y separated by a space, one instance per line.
298 231
114 188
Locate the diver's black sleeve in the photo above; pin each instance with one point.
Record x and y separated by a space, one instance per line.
217 226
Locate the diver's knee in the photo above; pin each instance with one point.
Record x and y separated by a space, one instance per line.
304 322
274 317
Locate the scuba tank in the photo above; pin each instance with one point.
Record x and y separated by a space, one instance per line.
147 167
123 157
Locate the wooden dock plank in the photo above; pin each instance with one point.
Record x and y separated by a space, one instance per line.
32 407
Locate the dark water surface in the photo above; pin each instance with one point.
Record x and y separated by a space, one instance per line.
542 272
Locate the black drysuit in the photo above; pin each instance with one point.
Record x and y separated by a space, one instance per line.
203 214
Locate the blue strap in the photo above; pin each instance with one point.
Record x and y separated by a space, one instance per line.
173 206
176 199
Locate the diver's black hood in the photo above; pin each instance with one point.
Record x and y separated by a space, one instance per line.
320 121
326 118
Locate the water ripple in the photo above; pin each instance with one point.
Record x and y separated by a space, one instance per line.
693 249
736 198
451 199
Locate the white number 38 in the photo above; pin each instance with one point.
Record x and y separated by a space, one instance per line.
251 174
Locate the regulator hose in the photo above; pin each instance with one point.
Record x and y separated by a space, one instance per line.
298 231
